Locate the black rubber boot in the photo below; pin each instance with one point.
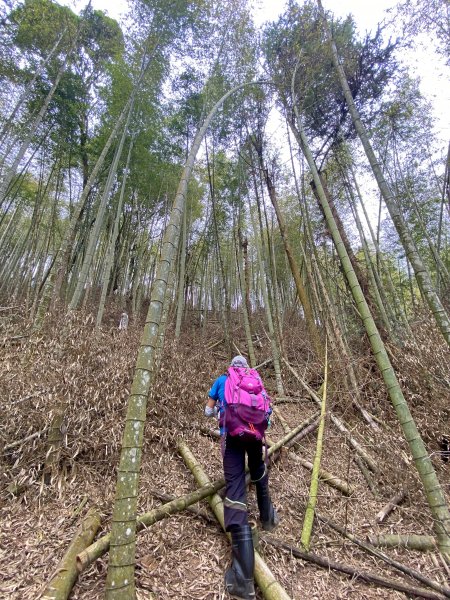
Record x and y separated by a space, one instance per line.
239 577
267 513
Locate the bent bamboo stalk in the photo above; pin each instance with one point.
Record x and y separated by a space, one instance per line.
354 572
61 583
267 583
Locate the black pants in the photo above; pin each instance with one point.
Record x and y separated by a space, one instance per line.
235 503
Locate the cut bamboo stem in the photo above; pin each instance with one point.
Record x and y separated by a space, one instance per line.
270 588
61 583
354 572
386 510
312 500
423 543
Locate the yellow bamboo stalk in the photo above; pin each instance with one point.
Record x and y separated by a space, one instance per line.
312 500
270 588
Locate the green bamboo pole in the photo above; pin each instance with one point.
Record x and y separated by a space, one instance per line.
420 270
60 585
270 588
120 583
433 490
312 500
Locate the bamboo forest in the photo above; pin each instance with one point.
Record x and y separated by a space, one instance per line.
198 190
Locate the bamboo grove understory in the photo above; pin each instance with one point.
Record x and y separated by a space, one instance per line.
187 170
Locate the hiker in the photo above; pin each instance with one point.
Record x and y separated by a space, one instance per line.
243 418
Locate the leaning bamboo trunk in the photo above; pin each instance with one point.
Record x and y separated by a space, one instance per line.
267 583
420 270
433 490
312 500
60 585
337 422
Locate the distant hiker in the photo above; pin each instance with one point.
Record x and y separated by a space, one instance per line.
244 411
123 323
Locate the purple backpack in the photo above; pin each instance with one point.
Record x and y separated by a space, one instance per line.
247 404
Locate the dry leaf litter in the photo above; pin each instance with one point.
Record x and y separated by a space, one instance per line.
71 368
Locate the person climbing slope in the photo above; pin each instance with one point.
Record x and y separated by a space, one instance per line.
244 410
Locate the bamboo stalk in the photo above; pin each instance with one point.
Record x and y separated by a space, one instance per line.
387 559
199 512
268 585
23 440
312 500
393 502
424 543
61 583
371 463
355 573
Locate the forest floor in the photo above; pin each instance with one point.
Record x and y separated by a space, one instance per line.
69 366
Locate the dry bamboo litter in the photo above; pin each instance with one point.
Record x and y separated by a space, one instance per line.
268 585
423 543
355 572
371 463
387 559
61 583
101 546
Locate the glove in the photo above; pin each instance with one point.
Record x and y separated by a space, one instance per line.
210 411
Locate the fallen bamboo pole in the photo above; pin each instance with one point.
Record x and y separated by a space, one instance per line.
344 487
355 573
270 588
367 476
387 559
423 543
389 507
371 463
101 546
23 440
61 583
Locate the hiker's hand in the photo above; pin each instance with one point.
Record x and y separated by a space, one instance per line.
210 411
